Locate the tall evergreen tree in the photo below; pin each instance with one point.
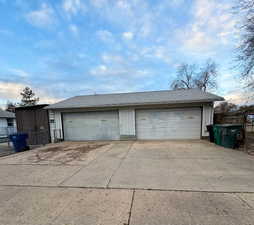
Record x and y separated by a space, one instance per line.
28 97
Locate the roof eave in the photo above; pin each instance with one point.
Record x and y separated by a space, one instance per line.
7 117
138 104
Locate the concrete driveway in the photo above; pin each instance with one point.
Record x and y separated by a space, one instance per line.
152 182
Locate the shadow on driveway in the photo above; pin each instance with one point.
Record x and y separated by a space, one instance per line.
5 149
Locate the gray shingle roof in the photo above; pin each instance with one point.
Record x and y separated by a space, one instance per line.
136 98
5 114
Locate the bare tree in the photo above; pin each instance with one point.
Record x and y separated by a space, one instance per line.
189 76
185 77
245 55
207 76
225 107
246 108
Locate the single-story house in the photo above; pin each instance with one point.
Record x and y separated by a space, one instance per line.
179 114
7 123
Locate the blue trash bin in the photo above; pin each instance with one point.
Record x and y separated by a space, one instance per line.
19 141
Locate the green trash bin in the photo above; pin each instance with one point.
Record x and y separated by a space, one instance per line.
217 130
227 135
230 136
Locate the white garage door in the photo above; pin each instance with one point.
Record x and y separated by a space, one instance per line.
91 126
182 123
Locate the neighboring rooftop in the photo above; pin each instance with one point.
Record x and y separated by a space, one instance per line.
136 98
6 114
31 107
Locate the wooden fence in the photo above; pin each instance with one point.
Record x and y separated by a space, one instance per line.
249 132
244 118
229 118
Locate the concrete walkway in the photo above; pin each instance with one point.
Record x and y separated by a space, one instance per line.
167 182
76 206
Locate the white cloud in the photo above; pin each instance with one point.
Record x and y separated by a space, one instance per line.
19 72
157 52
74 29
108 38
105 35
228 82
42 17
98 3
119 67
11 91
119 72
111 59
127 35
109 71
240 97
72 7
148 30
143 18
132 15
213 25
232 89
176 3
46 99
114 86
162 53
199 41
100 70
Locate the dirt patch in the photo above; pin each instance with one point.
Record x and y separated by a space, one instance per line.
64 153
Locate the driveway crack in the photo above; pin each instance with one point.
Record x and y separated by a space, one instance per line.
132 201
244 201
114 172
94 160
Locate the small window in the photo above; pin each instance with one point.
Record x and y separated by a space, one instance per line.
10 122
51 116
52 121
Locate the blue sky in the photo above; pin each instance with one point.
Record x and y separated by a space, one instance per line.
63 48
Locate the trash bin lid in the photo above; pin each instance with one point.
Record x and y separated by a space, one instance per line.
228 125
